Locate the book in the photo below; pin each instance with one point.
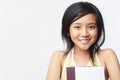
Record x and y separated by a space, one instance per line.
85 73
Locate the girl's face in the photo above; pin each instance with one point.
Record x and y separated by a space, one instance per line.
84 31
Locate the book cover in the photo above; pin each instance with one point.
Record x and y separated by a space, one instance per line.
85 73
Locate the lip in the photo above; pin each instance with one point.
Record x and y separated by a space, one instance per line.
84 41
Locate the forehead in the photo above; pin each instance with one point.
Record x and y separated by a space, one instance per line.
88 18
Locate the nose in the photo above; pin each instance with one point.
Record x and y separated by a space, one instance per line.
85 33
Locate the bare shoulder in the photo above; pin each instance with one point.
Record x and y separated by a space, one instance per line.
107 54
58 57
111 63
58 54
55 65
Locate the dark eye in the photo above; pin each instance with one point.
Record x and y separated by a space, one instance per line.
77 27
92 27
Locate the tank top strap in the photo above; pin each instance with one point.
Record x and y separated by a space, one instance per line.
97 59
68 63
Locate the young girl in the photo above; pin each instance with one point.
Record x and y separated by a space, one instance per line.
83 31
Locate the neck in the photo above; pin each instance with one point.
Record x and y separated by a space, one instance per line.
78 51
81 57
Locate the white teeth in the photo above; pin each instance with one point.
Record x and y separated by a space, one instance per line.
84 41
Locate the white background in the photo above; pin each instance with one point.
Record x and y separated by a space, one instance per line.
30 31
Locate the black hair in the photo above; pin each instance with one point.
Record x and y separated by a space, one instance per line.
76 11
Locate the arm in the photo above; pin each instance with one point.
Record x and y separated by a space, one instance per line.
55 66
112 64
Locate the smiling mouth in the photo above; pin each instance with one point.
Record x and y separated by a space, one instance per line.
84 41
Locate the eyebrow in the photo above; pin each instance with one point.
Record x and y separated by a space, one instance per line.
92 23
88 23
77 23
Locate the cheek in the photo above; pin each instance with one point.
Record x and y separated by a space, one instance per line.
95 34
73 34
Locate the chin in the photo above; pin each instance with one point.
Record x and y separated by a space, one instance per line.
84 48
